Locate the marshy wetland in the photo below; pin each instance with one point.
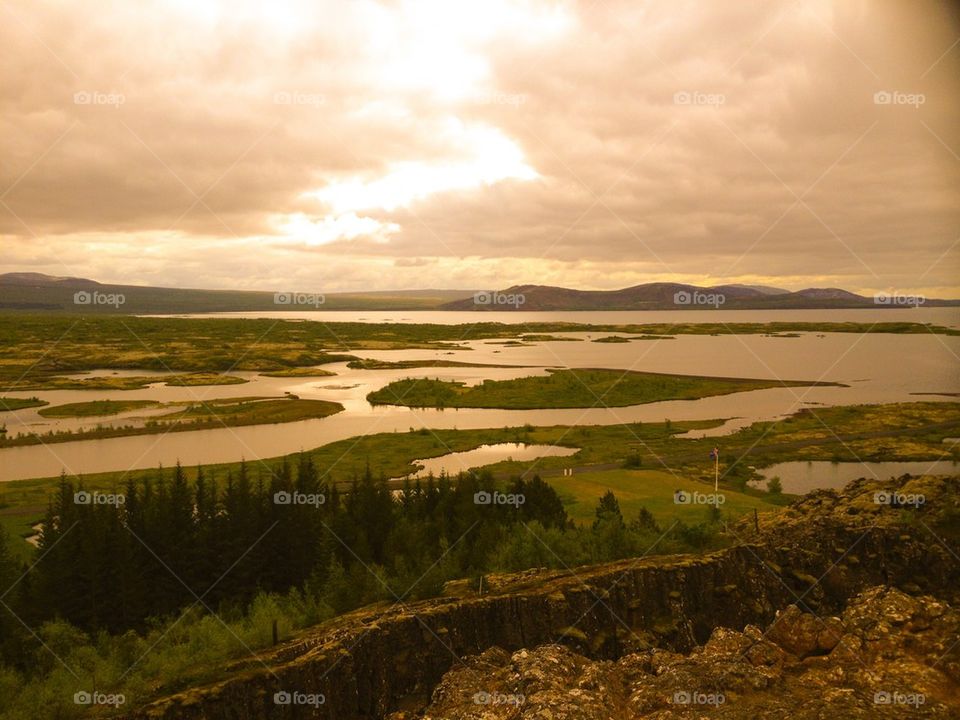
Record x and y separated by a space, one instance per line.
191 375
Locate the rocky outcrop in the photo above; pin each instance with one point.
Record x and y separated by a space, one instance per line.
884 657
816 554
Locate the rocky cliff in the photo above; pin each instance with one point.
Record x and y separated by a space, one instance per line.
884 657
632 626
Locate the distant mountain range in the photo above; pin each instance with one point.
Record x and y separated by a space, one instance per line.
678 296
28 291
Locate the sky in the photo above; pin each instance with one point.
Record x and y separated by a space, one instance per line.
359 145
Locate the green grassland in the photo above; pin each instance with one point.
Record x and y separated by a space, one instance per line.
546 337
650 489
566 389
299 372
8 404
611 339
226 412
95 408
369 364
122 382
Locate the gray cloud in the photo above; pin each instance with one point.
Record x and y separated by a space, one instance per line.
670 140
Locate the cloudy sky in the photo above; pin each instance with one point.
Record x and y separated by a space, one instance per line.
377 145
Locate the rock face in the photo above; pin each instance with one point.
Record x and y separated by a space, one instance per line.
883 658
646 615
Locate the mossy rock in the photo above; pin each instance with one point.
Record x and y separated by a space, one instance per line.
803 577
573 633
664 625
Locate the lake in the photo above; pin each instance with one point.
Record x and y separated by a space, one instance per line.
949 316
800 477
876 369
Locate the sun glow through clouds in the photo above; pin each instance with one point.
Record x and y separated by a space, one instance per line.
492 157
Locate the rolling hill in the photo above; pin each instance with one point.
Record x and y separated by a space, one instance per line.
28 291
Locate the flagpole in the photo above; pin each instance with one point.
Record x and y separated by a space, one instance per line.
716 472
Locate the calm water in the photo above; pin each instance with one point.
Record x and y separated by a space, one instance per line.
949 316
876 368
803 476
453 463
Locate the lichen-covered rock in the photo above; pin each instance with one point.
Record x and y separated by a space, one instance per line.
803 634
882 664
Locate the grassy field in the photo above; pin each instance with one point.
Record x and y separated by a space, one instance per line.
299 372
122 382
566 389
370 364
611 339
229 412
7 403
95 408
652 489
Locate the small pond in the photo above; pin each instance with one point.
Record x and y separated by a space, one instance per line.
801 476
